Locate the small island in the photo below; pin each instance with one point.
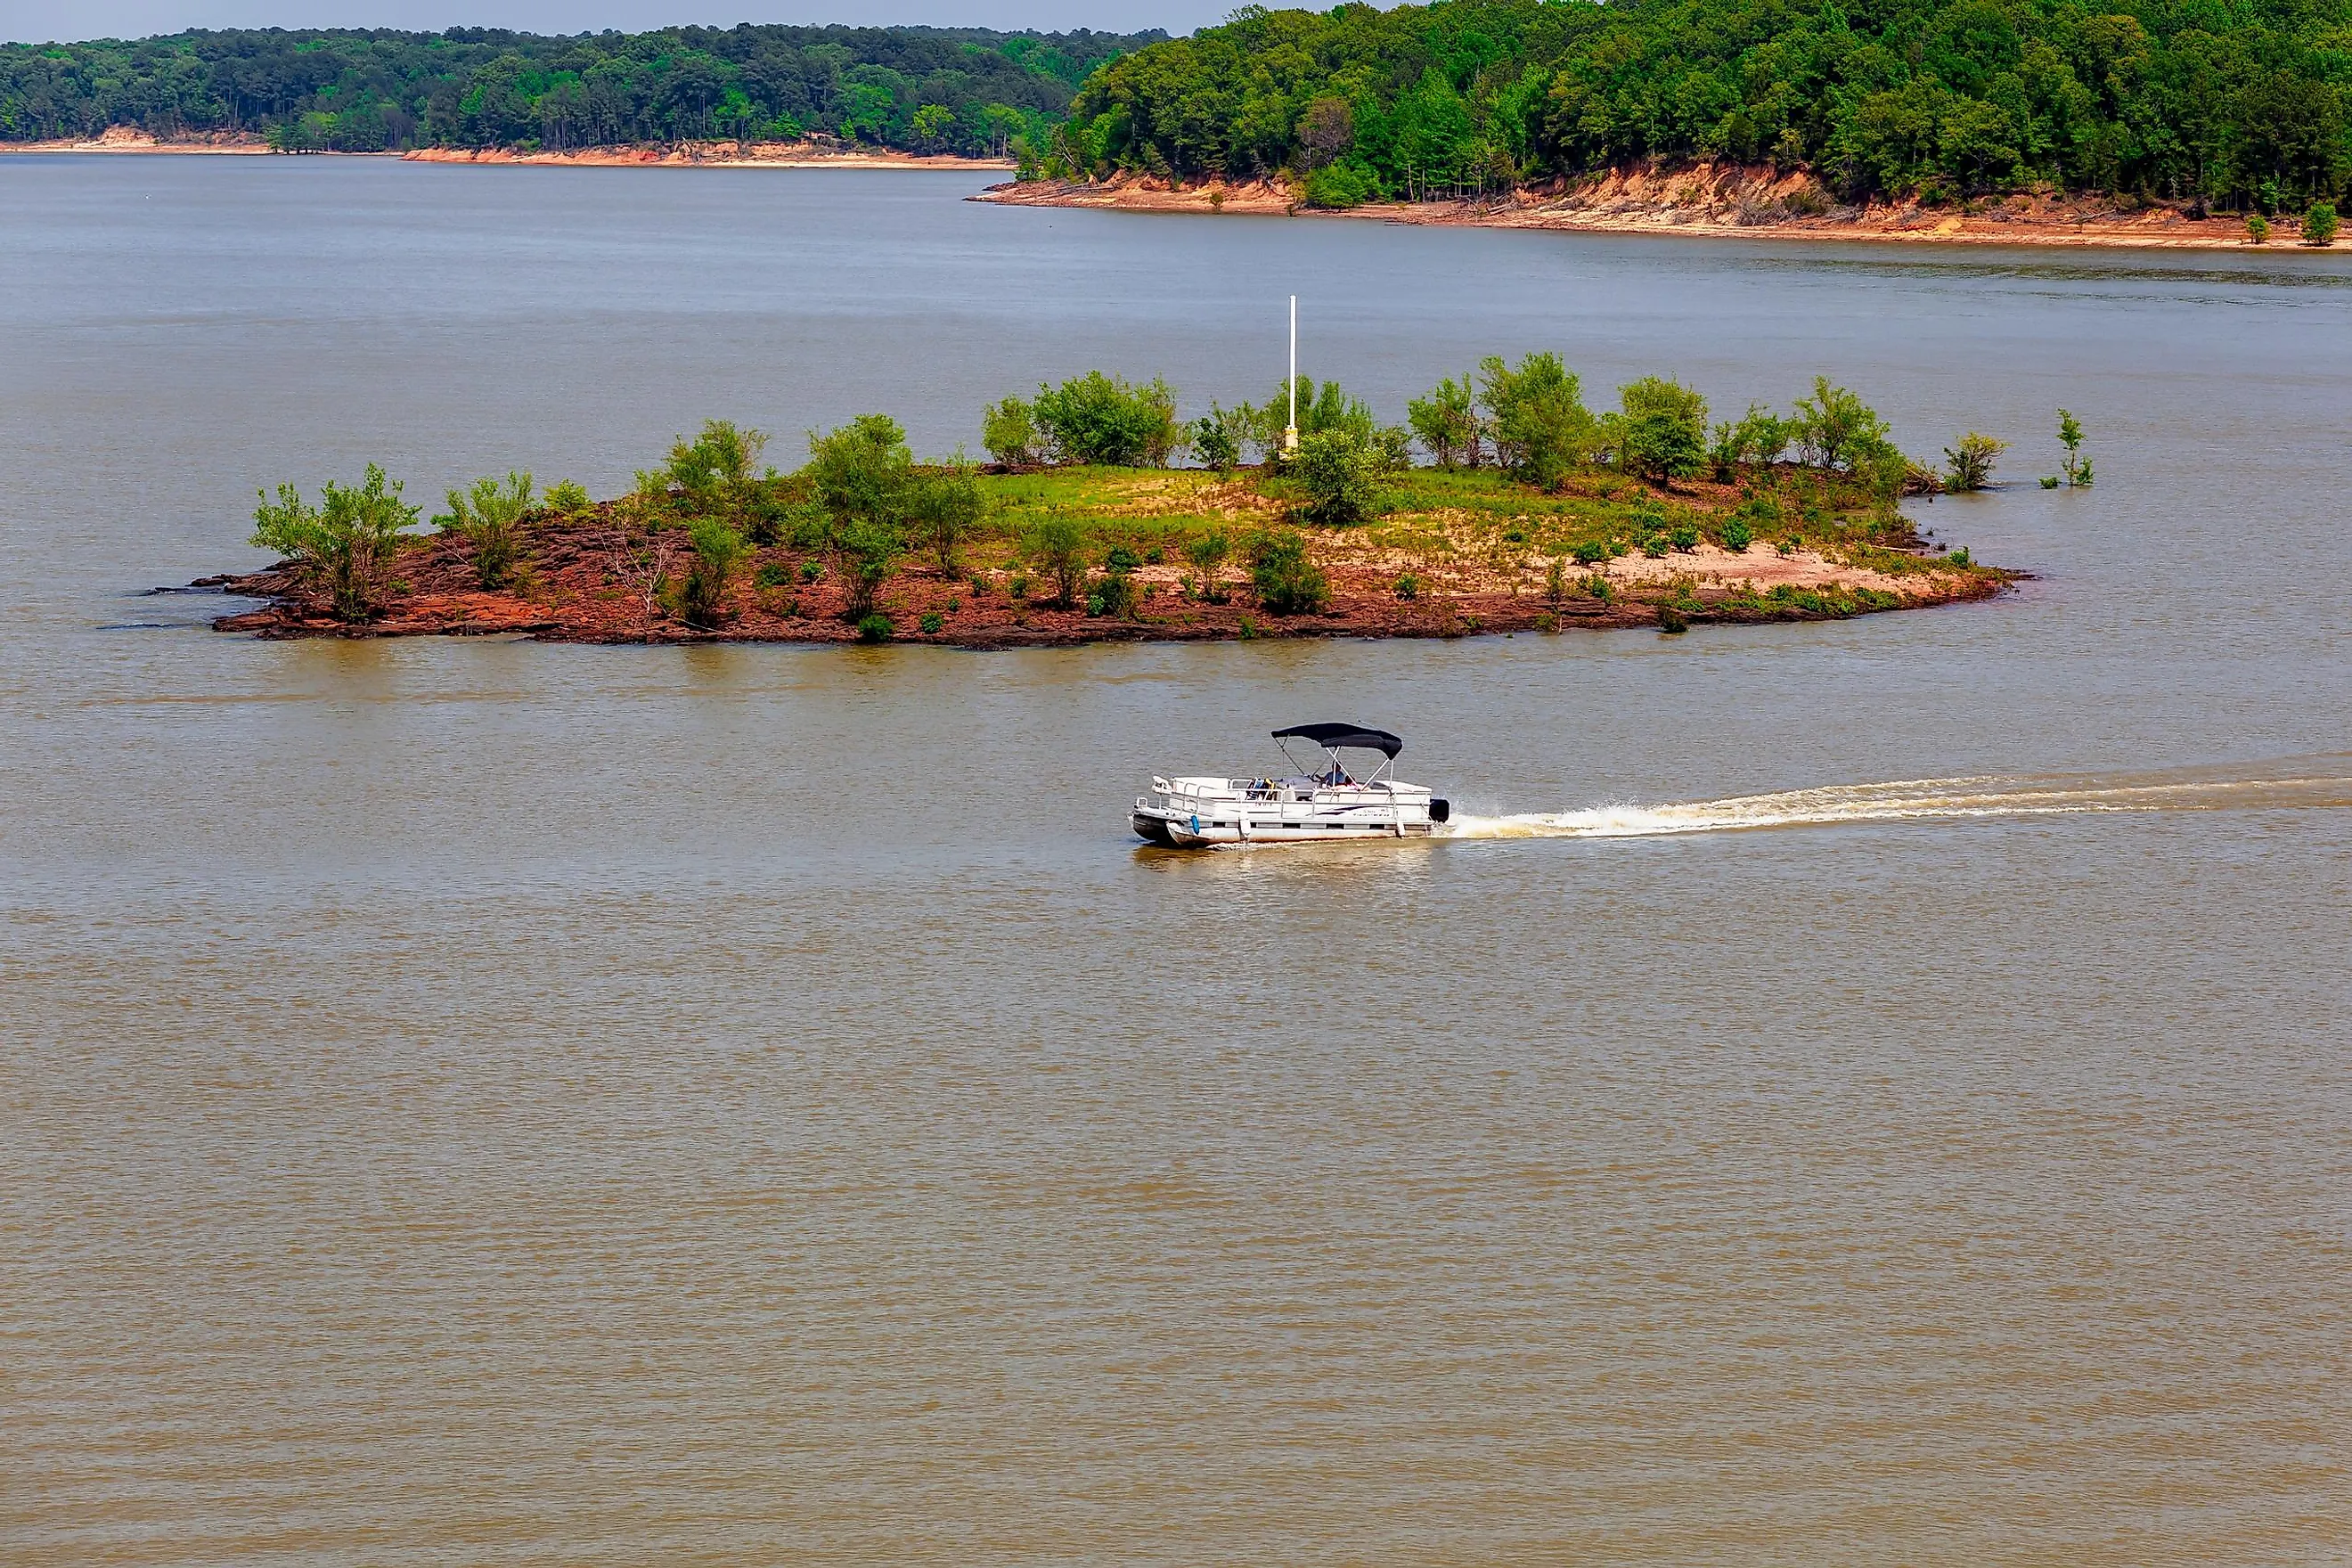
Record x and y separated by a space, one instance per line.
1529 513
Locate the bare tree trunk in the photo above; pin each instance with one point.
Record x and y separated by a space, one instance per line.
643 571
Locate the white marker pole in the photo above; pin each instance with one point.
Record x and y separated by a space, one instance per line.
1290 432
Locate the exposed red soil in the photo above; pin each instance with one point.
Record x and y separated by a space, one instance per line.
1704 199
578 588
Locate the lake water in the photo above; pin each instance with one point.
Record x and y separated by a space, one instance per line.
483 1102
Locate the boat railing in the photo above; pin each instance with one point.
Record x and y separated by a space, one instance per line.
1214 789
1249 792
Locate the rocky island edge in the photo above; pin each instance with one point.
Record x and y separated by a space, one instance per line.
1533 514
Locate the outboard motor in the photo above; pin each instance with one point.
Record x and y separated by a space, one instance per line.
1441 810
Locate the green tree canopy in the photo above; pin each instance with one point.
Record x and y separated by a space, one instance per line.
1661 433
860 472
2207 99
346 544
963 89
1099 419
1541 427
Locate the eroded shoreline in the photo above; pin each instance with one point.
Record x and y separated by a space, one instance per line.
1702 201
607 576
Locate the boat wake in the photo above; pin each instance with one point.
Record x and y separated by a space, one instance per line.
2299 784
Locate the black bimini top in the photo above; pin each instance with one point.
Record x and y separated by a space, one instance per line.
1337 735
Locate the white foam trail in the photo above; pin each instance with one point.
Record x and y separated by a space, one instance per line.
2309 783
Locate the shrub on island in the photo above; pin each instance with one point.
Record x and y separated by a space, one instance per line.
1288 583
1970 464
1056 547
1207 552
1340 471
490 516
344 546
716 548
1103 419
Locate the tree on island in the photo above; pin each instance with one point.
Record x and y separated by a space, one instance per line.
1448 424
1009 430
1325 407
345 544
1838 429
861 474
2070 436
1100 418
1759 438
1661 433
1542 431
641 565
714 473
1968 466
1217 435
1208 553
945 509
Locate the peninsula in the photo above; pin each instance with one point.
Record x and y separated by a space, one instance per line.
806 151
1694 200
1532 513
1947 121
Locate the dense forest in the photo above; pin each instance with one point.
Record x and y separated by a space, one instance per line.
2236 102
2239 103
923 89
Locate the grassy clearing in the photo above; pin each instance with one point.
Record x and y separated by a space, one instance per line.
1071 553
1460 531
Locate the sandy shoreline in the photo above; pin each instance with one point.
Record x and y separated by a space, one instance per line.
1704 201
708 155
121 139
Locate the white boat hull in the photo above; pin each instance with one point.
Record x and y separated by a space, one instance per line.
1195 814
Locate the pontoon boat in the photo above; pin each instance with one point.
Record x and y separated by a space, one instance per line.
1325 801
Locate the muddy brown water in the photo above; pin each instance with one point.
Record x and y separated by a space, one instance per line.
1867 1092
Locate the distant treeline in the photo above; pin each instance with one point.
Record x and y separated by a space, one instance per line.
2239 103
923 89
